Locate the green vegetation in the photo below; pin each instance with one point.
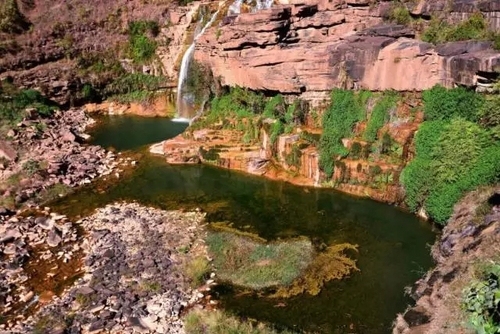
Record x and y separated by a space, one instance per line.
54 192
142 47
133 87
288 267
31 167
196 270
345 110
249 262
14 102
475 28
441 103
379 115
332 263
400 14
453 154
218 322
481 301
11 18
198 82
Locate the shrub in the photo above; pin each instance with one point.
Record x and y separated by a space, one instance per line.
345 110
481 301
400 14
452 158
141 48
475 27
379 115
355 150
218 322
13 102
198 81
31 167
11 18
275 107
196 270
442 104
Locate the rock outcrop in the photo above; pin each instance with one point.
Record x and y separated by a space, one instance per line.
468 241
311 48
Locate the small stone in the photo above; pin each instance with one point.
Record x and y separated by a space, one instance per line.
53 239
27 297
10 249
45 223
85 290
96 309
96 326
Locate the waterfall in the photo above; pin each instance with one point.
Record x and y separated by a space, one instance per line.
186 59
235 7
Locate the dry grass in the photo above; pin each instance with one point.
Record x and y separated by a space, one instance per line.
218 322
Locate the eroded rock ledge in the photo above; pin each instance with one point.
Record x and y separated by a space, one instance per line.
312 47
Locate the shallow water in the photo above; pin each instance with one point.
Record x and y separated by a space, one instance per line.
393 245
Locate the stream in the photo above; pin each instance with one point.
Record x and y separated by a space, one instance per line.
393 244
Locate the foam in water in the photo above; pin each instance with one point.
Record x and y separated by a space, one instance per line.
186 59
181 120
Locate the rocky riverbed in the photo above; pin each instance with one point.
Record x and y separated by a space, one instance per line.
43 157
130 275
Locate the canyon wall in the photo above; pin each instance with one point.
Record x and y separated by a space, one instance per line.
309 48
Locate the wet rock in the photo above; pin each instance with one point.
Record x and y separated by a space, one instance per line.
416 316
45 222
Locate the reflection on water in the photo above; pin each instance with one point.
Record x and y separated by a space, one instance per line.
393 248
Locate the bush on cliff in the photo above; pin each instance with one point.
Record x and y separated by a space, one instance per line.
475 28
379 115
452 157
345 110
11 18
442 103
142 47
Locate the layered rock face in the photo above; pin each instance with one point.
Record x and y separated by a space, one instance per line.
311 48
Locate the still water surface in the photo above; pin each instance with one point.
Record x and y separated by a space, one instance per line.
393 245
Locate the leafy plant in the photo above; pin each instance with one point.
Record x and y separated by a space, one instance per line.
14 102
481 301
379 115
452 158
442 104
338 121
141 47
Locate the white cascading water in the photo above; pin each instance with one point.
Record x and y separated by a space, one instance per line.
235 7
186 59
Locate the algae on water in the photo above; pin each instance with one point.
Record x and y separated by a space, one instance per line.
292 267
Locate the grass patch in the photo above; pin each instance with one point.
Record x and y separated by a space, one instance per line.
150 286
219 322
288 267
54 192
251 263
196 270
